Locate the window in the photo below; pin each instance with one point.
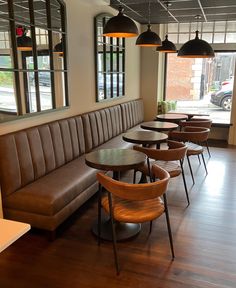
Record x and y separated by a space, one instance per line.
33 77
110 62
212 32
202 85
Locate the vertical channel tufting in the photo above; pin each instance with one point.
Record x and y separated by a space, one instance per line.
57 143
24 157
81 134
10 175
74 137
66 140
99 127
94 130
109 124
104 125
47 146
36 152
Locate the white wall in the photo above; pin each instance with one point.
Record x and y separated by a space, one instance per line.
81 65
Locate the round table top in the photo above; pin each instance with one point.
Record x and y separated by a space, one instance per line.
115 159
159 126
145 137
172 116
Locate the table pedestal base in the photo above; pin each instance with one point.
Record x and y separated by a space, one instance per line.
123 230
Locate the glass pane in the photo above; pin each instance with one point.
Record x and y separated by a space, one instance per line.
58 50
56 15
40 13
21 11
121 84
231 26
195 26
7 92
173 38
207 26
59 78
220 26
4 34
219 38
29 91
108 86
4 8
45 90
172 28
231 38
207 37
121 68
114 79
101 86
184 27
23 39
5 61
183 38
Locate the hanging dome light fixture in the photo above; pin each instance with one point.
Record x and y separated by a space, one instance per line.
148 38
24 43
58 48
167 46
120 26
196 48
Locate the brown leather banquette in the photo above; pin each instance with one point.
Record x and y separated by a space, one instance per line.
43 174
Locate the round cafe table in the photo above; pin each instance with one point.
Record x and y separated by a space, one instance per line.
115 160
145 137
159 126
171 117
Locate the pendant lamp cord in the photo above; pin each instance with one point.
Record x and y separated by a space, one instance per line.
149 13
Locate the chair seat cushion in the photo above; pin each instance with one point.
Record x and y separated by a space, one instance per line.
134 211
194 149
172 167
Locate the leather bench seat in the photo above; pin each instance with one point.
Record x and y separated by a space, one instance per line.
49 194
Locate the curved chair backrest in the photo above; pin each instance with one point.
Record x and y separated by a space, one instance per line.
190 134
197 123
137 191
176 151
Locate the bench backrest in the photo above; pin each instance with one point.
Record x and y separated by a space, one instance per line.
29 154
132 113
101 125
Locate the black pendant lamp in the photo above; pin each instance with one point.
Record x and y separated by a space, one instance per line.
24 43
167 46
148 38
196 48
120 26
58 49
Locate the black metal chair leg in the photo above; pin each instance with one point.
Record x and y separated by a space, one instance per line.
191 171
149 170
134 177
199 159
113 235
204 164
150 227
185 185
208 150
168 226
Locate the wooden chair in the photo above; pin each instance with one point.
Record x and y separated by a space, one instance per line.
134 203
193 137
198 122
170 159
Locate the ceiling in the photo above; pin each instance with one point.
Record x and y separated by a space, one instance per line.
22 14
183 11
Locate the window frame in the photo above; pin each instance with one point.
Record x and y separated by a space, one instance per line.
110 46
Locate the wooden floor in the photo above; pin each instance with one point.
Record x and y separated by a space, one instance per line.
204 239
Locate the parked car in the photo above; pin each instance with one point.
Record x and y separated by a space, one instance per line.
223 97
